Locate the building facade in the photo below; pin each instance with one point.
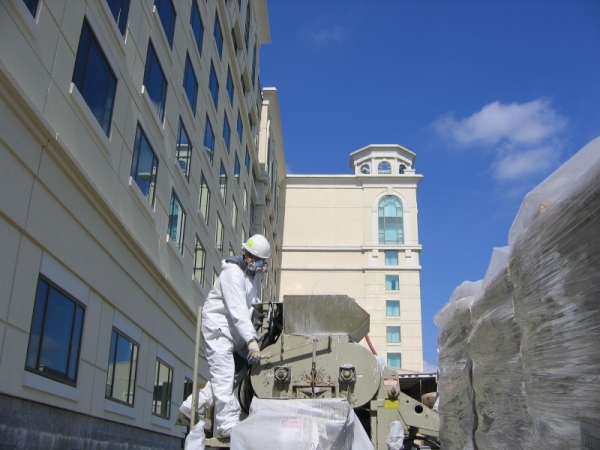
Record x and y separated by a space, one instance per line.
131 165
358 235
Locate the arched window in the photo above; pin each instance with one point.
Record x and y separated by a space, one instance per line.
384 167
390 221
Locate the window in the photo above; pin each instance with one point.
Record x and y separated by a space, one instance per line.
213 86
230 87
122 365
253 76
32 6
199 262
215 276
234 214
167 14
190 83
144 165
183 150
155 82
176 227
391 257
234 41
394 360
209 139
390 221
197 26
161 399
245 201
204 202
240 127
244 88
243 234
384 167
236 169
120 11
393 334
94 78
392 283
223 183
247 161
247 27
226 132
365 168
219 231
55 337
392 308
218 36
401 169
188 386
231 250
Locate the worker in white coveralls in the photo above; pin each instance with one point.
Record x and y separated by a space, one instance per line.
227 328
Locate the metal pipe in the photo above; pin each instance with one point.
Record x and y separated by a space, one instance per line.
313 371
196 364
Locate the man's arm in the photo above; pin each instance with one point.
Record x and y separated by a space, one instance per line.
233 287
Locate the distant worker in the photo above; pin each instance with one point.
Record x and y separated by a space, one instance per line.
227 328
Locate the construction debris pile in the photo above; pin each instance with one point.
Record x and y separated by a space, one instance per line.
520 351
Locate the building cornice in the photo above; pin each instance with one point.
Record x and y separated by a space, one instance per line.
347 248
383 269
262 17
352 181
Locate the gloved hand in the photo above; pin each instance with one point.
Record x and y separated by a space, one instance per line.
253 352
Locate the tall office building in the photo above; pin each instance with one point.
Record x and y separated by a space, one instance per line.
357 235
130 165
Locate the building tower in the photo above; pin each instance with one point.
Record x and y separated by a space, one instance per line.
358 235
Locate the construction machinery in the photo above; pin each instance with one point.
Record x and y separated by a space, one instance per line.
310 350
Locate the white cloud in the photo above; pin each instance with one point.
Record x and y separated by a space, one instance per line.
525 162
429 368
523 136
335 34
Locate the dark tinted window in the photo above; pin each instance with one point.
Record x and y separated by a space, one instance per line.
120 11
55 336
94 78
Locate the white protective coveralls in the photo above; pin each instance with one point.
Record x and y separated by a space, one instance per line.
227 328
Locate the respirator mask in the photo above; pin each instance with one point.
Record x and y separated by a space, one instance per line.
258 266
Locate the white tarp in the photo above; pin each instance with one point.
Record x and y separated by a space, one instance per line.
300 424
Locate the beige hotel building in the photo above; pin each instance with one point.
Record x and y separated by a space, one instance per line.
137 150
357 235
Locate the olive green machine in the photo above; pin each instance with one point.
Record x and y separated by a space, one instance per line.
310 350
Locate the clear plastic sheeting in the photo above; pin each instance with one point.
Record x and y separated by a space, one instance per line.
395 439
520 361
554 188
196 440
298 424
457 425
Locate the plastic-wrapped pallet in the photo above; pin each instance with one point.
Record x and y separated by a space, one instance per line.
555 265
531 356
458 422
498 380
327 424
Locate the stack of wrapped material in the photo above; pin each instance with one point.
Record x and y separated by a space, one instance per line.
520 352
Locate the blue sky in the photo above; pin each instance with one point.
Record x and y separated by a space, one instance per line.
492 96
